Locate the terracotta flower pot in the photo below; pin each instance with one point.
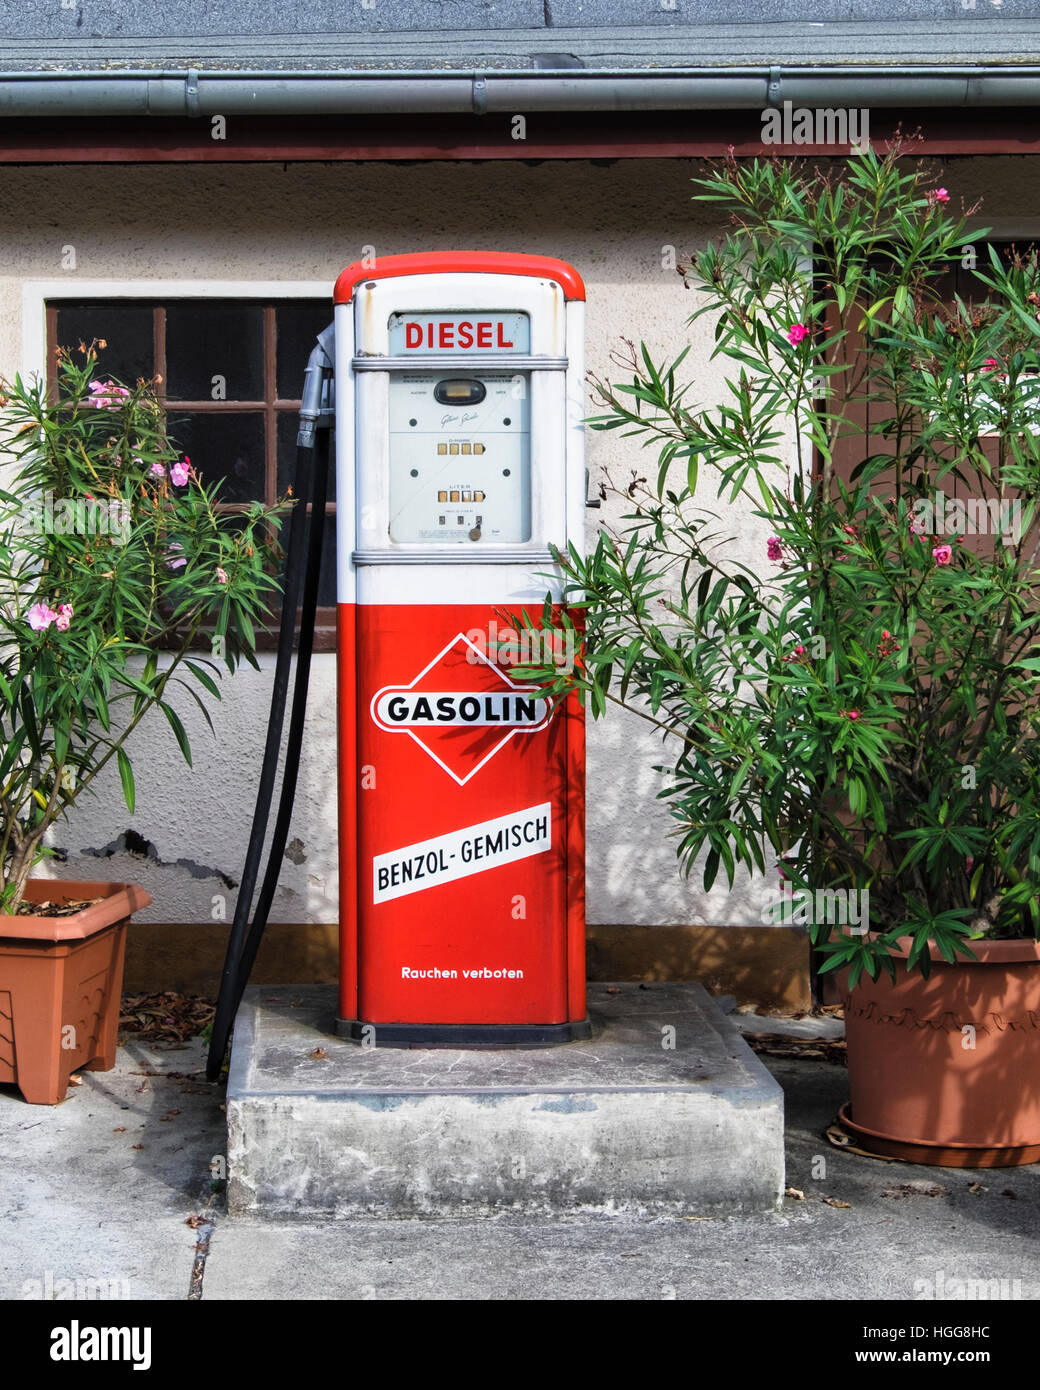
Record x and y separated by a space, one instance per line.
61 979
946 1070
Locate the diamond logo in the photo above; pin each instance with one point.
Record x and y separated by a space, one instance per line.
461 709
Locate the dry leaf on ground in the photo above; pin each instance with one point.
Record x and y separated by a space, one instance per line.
841 1139
166 1020
781 1045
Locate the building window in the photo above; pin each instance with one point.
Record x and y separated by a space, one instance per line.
866 410
231 373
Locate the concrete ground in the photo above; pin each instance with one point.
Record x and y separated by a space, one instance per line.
98 1193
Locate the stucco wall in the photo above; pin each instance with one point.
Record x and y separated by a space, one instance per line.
264 223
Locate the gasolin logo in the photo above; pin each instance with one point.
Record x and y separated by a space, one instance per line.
461 709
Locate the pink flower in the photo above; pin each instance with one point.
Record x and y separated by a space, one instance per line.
180 473
852 713
63 617
158 470
796 333
990 364
40 617
942 554
773 548
222 575
796 655
178 562
917 527
106 394
939 195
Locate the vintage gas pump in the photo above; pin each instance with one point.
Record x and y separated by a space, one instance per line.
456 382
461 792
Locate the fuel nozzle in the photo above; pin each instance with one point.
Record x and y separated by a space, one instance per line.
318 407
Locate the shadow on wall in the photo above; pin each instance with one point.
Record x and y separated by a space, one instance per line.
767 966
189 957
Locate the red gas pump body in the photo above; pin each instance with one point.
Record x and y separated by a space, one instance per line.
461 790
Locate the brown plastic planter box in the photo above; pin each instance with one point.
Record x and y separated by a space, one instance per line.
946 1070
61 981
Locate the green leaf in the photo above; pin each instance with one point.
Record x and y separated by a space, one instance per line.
126 774
178 730
204 678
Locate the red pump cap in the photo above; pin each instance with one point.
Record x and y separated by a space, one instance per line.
440 262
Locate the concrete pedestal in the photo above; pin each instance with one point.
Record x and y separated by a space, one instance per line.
664 1111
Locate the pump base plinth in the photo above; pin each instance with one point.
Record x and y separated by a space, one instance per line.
664 1110
486 1036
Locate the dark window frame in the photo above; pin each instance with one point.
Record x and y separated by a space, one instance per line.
271 407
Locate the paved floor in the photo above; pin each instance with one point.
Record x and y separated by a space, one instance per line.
98 1192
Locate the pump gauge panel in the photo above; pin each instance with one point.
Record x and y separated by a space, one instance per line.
460 457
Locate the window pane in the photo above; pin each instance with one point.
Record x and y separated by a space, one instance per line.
297 326
288 426
327 573
327 578
215 347
229 447
127 330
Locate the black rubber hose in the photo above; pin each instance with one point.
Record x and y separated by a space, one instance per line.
230 985
294 743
